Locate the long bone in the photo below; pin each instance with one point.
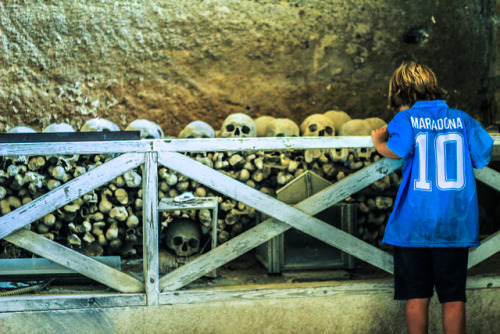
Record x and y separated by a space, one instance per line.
281 212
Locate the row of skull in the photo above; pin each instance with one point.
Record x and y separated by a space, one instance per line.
330 123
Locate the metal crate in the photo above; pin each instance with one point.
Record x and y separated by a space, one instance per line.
295 250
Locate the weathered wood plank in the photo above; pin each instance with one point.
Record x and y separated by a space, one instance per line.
488 247
280 211
150 228
190 145
67 192
489 177
257 144
297 290
69 258
68 302
70 148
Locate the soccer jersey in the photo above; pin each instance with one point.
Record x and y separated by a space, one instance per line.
436 205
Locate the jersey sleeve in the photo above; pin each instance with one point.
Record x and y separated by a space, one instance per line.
401 140
480 143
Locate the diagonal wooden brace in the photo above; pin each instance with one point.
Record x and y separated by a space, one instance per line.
68 192
281 212
69 258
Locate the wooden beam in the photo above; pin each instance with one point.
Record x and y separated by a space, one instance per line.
67 192
70 148
80 263
489 177
259 144
150 228
281 212
488 247
70 301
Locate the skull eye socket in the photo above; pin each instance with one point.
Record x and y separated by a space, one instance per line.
329 130
149 137
193 243
245 129
205 136
280 135
230 128
190 137
313 127
177 241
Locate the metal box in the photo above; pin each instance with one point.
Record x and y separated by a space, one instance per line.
295 250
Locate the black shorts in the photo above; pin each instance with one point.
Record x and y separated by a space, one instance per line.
418 270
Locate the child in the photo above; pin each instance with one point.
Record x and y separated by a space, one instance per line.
435 216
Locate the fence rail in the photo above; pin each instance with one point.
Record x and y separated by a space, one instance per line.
169 153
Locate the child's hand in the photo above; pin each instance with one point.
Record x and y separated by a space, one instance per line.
380 136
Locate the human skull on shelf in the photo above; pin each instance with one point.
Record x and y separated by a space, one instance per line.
238 125
261 123
98 124
59 127
355 127
183 236
282 127
338 118
317 125
197 129
148 129
376 122
21 129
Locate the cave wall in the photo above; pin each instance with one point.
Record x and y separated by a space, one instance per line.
173 61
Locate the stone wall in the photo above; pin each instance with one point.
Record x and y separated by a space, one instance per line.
176 61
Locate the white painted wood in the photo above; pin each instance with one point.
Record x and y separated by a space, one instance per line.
193 296
70 301
67 192
297 290
189 145
257 144
80 263
489 177
70 148
150 228
488 247
280 211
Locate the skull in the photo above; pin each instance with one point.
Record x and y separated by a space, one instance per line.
197 129
317 125
338 118
238 125
355 127
98 124
261 125
282 127
21 129
148 129
184 236
376 123
59 127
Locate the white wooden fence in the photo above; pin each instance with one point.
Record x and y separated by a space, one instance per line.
153 289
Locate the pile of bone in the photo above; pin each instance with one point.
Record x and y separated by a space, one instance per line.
104 221
108 220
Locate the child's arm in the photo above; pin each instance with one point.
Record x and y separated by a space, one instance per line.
379 138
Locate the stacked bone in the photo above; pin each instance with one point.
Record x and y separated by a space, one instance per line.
104 217
108 220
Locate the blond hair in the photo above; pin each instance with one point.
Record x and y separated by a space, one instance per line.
412 82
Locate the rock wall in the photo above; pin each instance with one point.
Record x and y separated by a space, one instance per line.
173 62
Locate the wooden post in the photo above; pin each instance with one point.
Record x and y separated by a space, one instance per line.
150 228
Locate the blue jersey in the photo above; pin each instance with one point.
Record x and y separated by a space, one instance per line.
436 205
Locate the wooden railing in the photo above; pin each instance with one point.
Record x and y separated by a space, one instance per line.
169 153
